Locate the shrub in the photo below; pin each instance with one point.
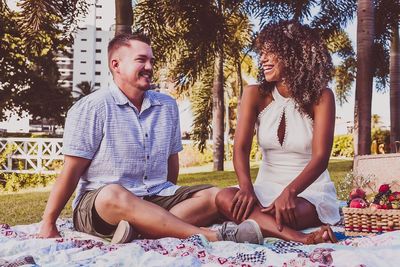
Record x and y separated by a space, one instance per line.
381 137
15 181
343 146
191 156
255 152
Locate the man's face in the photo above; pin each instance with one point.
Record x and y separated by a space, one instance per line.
134 64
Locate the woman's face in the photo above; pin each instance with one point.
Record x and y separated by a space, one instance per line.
272 67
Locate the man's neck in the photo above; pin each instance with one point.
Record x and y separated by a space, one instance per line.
134 94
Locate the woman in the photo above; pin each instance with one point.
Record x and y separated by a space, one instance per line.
293 112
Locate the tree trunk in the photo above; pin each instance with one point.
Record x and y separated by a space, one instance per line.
123 16
394 89
364 78
240 87
218 113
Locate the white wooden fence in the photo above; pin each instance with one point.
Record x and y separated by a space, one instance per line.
36 155
30 155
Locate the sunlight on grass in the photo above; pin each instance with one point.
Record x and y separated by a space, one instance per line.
28 207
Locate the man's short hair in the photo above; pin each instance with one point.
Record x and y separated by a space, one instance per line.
123 39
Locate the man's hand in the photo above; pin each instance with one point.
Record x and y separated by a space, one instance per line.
48 230
242 204
283 207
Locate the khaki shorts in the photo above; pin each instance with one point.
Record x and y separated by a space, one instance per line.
87 220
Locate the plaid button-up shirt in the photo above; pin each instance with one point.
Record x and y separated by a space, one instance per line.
125 146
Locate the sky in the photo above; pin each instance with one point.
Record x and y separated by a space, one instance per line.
380 101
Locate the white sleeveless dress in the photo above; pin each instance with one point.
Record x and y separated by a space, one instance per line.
281 164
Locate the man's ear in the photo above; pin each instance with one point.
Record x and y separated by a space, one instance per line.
114 64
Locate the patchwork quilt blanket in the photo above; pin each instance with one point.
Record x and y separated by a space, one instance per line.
20 247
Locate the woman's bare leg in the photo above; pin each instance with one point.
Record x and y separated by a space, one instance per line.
304 210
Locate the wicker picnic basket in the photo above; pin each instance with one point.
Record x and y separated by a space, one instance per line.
359 222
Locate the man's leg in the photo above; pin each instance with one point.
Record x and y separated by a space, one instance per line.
114 203
200 209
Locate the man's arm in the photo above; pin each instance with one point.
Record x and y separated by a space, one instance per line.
173 168
62 190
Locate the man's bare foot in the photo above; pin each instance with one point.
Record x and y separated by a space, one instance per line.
323 235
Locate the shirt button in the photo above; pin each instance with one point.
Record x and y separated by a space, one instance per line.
145 177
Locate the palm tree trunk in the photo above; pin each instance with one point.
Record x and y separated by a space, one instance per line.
394 89
123 16
364 78
218 103
218 113
239 86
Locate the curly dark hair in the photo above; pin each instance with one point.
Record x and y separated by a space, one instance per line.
307 63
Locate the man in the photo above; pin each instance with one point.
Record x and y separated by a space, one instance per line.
121 148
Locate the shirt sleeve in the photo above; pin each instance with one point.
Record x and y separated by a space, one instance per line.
176 140
83 130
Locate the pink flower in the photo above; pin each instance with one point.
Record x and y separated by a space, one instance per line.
358 203
357 193
384 188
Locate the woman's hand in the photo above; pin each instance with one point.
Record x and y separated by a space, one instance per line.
242 204
283 207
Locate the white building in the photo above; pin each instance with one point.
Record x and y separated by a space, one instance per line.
65 67
14 123
90 45
90 61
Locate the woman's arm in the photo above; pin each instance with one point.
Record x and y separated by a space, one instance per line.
245 198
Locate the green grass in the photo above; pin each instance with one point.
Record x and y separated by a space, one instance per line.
28 207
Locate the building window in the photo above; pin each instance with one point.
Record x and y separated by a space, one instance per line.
99 6
83 50
98 61
97 51
97 73
83 28
84 40
98 28
83 62
99 17
98 39
82 73
96 84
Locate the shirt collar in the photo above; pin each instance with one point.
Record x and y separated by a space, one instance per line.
150 99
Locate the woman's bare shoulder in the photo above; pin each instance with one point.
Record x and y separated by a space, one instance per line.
327 96
252 89
325 102
257 98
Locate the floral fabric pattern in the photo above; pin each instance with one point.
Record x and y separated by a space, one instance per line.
20 246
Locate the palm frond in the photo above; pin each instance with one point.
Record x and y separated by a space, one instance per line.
334 15
201 99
